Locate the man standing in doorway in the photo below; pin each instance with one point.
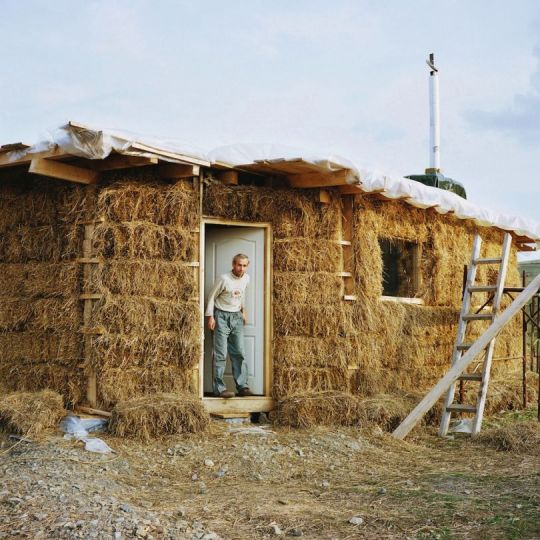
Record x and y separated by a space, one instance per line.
226 318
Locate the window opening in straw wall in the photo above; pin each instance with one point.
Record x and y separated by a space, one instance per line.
400 267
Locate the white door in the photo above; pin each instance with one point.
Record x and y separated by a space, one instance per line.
222 243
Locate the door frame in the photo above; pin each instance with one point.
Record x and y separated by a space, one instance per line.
267 295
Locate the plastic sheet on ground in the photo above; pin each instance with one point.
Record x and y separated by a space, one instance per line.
76 428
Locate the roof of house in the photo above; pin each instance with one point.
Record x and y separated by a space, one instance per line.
303 169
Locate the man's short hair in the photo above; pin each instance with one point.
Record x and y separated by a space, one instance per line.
239 256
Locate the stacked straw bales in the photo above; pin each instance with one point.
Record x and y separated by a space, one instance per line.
312 327
40 315
147 335
148 312
368 347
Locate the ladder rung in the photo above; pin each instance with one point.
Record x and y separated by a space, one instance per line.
495 260
514 289
482 288
470 377
478 317
458 407
464 346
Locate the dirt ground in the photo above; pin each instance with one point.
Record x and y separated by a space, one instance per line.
243 481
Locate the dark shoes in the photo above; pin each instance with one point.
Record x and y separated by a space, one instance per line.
243 392
225 394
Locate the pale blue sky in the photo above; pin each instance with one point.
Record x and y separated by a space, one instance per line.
345 77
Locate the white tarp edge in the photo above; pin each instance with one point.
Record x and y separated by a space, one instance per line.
98 144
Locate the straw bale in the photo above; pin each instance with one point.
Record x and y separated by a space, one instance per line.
385 410
119 384
307 287
159 279
154 350
293 213
310 320
156 415
145 240
518 437
14 313
300 379
55 347
312 352
156 202
47 243
307 255
30 413
146 315
35 376
56 314
308 409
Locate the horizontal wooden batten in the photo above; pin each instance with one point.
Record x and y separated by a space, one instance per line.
89 260
350 297
178 170
402 300
238 405
312 180
90 296
119 161
93 331
63 171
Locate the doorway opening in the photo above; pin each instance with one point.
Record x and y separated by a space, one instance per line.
222 241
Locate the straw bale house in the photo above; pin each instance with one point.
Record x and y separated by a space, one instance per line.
107 245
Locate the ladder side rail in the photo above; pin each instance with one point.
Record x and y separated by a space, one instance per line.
461 365
462 328
486 370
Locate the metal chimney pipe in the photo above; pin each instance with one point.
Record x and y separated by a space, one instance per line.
434 117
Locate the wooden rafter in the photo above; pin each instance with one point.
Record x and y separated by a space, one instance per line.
313 180
63 171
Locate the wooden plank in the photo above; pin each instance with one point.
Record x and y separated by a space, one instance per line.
178 170
225 416
239 405
63 171
350 189
14 158
350 297
91 385
229 178
120 161
90 296
89 260
402 300
461 365
313 180
91 410
324 196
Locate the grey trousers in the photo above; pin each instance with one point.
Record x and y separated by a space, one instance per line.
229 337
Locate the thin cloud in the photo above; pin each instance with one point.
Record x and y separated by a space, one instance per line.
521 120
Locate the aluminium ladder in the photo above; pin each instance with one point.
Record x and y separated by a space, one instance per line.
495 293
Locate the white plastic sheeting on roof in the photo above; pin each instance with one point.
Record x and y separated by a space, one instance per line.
248 153
413 193
91 143
86 142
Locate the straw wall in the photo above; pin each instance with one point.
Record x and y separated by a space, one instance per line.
40 313
149 312
370 346
403 347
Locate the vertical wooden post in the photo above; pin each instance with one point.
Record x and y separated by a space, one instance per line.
347 213
88 269
524 347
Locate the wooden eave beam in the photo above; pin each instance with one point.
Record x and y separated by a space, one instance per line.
178 170
313 180
63 171
229 178
8 159
119 161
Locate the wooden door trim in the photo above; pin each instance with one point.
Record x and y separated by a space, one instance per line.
267 295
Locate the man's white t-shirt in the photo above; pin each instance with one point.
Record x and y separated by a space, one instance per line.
228 293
